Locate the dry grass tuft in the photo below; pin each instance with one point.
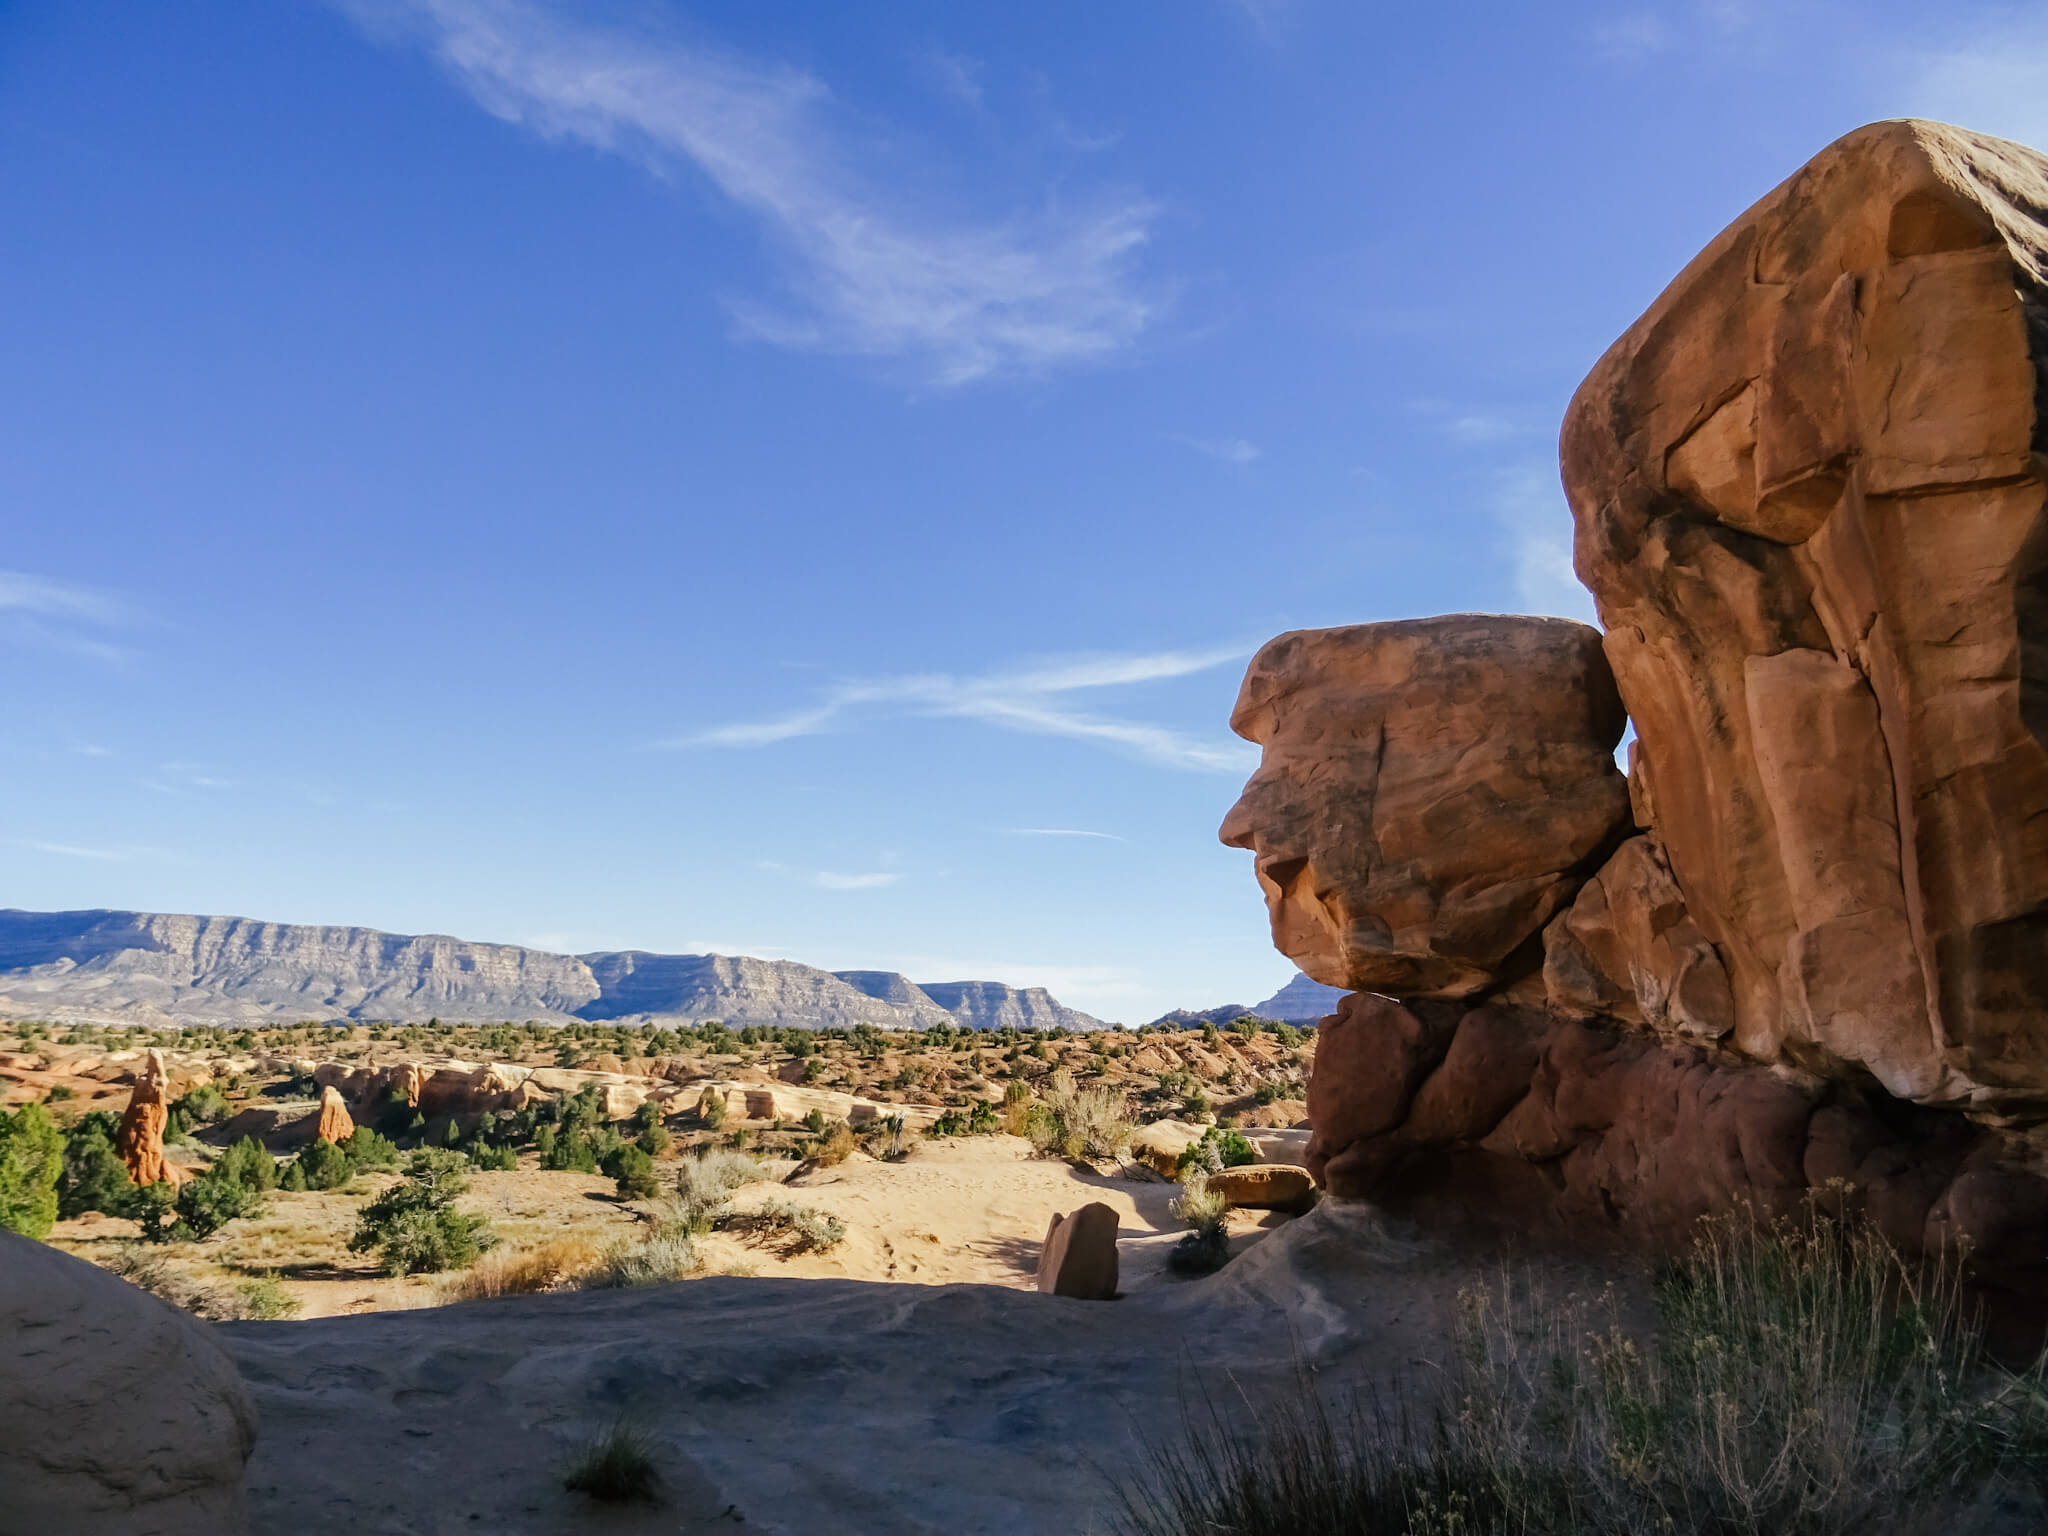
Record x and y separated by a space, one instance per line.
1801 1382
556 1265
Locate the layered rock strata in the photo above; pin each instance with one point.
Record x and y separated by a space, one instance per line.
1805 944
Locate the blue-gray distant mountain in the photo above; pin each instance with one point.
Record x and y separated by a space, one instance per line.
1301 1001
161 968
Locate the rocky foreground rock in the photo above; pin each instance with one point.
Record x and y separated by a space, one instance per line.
119 1414
1805 943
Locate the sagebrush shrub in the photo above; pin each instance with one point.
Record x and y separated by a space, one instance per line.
1079 1123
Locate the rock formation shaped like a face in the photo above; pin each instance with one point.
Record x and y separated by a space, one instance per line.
1432 793
1809 495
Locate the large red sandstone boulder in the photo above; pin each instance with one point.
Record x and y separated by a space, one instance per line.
119 1415
1429 795
1519 1115
1809 498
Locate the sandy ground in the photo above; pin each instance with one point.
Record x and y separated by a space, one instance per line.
965 1210
971 1210
822 1406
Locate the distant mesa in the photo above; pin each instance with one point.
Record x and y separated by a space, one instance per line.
1302 1001
155 967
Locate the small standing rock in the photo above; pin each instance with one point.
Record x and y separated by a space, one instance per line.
1078 1258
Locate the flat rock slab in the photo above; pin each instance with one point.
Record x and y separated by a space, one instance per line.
812 1406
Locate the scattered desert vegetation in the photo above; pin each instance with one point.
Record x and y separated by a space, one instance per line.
1796 1381
624 1171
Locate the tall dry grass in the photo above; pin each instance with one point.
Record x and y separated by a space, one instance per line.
1079 1123
1800 1381
558 1264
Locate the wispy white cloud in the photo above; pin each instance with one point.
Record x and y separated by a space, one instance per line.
1634 36
1064 832
1231 450
1996 82
825 879
1266 15
1537 523
1029 701
73 851
183 778
964 299
957 77
828 880
63 615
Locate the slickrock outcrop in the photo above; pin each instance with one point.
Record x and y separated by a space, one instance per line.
1272 1187
1078 1257
139 1139
1432 794
1808 492
333 1122
119 1414
1810 488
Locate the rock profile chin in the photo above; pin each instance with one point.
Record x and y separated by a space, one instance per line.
1805 943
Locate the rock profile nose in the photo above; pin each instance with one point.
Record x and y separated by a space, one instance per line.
1236 831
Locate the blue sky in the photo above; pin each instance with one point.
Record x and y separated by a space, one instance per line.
803 479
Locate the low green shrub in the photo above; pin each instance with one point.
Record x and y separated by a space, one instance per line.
204 1105
31 1165
414 1228
632 1170
94 1178
196 1209
369 1150
249 1165
325 1164
1220 1147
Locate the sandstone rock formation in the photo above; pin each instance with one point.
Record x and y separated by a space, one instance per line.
1432 794
1271 1187
1809 498
332 1122
119 1414
1078 1257
1810 488
139 1139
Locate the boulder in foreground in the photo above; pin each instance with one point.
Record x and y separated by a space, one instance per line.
119 1414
